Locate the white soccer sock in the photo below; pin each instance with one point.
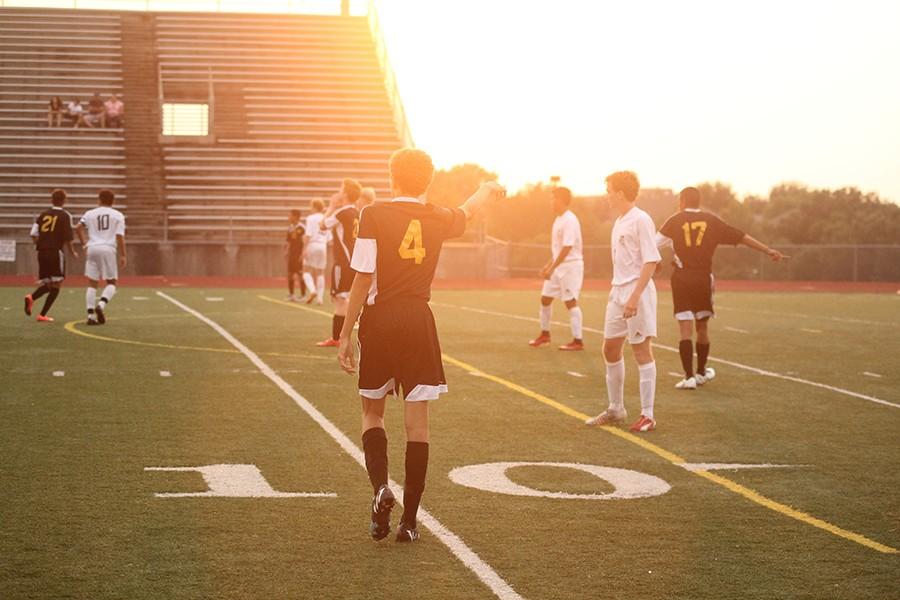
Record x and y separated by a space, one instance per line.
575 319
90 297
546 313
108 292
615 384
320 287
310 286
647 374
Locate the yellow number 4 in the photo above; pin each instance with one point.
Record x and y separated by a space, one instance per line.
411 247
700 226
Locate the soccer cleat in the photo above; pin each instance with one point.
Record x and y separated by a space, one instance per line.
91 322
44 319
689 383
29 302
405 533
573 346
643 424
707 376
329 343
607 417
290 298
310 298
541 340
382 504
101 318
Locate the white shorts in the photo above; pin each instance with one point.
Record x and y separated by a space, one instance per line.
639 327
101 263
316 256
565 282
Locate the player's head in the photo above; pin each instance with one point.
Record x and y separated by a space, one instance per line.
58 197
562 198
622 189
366 197
317 205
689 197
106 197
351 189
294 217
411 172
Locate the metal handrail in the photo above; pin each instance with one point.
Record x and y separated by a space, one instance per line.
390 79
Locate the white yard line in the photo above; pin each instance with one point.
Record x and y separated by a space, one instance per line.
215 299
59 373
870 374
730 363
806 330
576 374
735 329
457 546
165 373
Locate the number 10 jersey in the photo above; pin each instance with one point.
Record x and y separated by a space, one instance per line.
103 224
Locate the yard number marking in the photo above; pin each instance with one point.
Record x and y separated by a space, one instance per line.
233 481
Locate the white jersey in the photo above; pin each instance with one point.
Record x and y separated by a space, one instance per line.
633 243
314 229
567 232
103 224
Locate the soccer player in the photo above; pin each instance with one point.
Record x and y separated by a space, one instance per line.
694 235
51 232
293 252
316 258
631 309
105 227
366 197
342 219
395 259
564 274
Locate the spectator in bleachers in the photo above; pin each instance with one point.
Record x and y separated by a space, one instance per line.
115 111
55 112
96 114
75 112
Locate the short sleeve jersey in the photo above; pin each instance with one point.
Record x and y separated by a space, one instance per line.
695 234
633 243
295 235
567 232
103 224
400 242
53 228
345 223
314 229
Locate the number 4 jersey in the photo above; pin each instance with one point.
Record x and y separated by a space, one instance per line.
103 224
400 242
695 234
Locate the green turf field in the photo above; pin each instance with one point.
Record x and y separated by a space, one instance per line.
81 519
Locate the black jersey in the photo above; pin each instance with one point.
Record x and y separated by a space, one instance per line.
345 223
294 238
695 235
401 243
53 229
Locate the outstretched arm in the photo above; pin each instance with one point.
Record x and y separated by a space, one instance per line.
359 291
752 242
486 193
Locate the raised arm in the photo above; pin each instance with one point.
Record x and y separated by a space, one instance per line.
752 242
486 193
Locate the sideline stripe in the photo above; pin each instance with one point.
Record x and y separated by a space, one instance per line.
457 546
730 363
295 305
673 458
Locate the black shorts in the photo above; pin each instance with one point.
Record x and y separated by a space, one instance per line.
51 265
399 351
692 294
341 280
295 263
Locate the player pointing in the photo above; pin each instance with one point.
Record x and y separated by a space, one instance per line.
105 227
395 257
695 234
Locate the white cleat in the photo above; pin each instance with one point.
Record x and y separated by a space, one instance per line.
687 384
291 298
708 376
607 417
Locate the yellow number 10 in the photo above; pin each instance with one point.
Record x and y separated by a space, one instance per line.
700 226
411 246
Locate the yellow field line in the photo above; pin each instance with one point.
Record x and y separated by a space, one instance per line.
295 305
673 458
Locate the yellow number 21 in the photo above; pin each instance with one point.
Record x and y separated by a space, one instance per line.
411 247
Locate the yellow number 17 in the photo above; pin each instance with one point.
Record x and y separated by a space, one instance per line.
411 247
699 226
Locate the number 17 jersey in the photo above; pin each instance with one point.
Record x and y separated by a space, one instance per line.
695 234
400 242
103 224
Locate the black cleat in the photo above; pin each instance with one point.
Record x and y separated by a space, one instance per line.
405 533
382 504
91 323
101 318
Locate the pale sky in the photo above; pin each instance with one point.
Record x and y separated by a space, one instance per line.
750 93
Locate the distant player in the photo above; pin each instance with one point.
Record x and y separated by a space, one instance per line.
342 219
694 234
395 258
564 274
293 252
631 309
51 232
316 256
366 197
104 238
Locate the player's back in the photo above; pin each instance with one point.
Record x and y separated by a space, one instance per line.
53 228
103 224
314 229
695 234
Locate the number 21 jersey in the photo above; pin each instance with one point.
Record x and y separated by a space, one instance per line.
103 224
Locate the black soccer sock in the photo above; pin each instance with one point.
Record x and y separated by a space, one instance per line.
51 298
702 355
40 291
686 350
375 448
337 323
416 468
